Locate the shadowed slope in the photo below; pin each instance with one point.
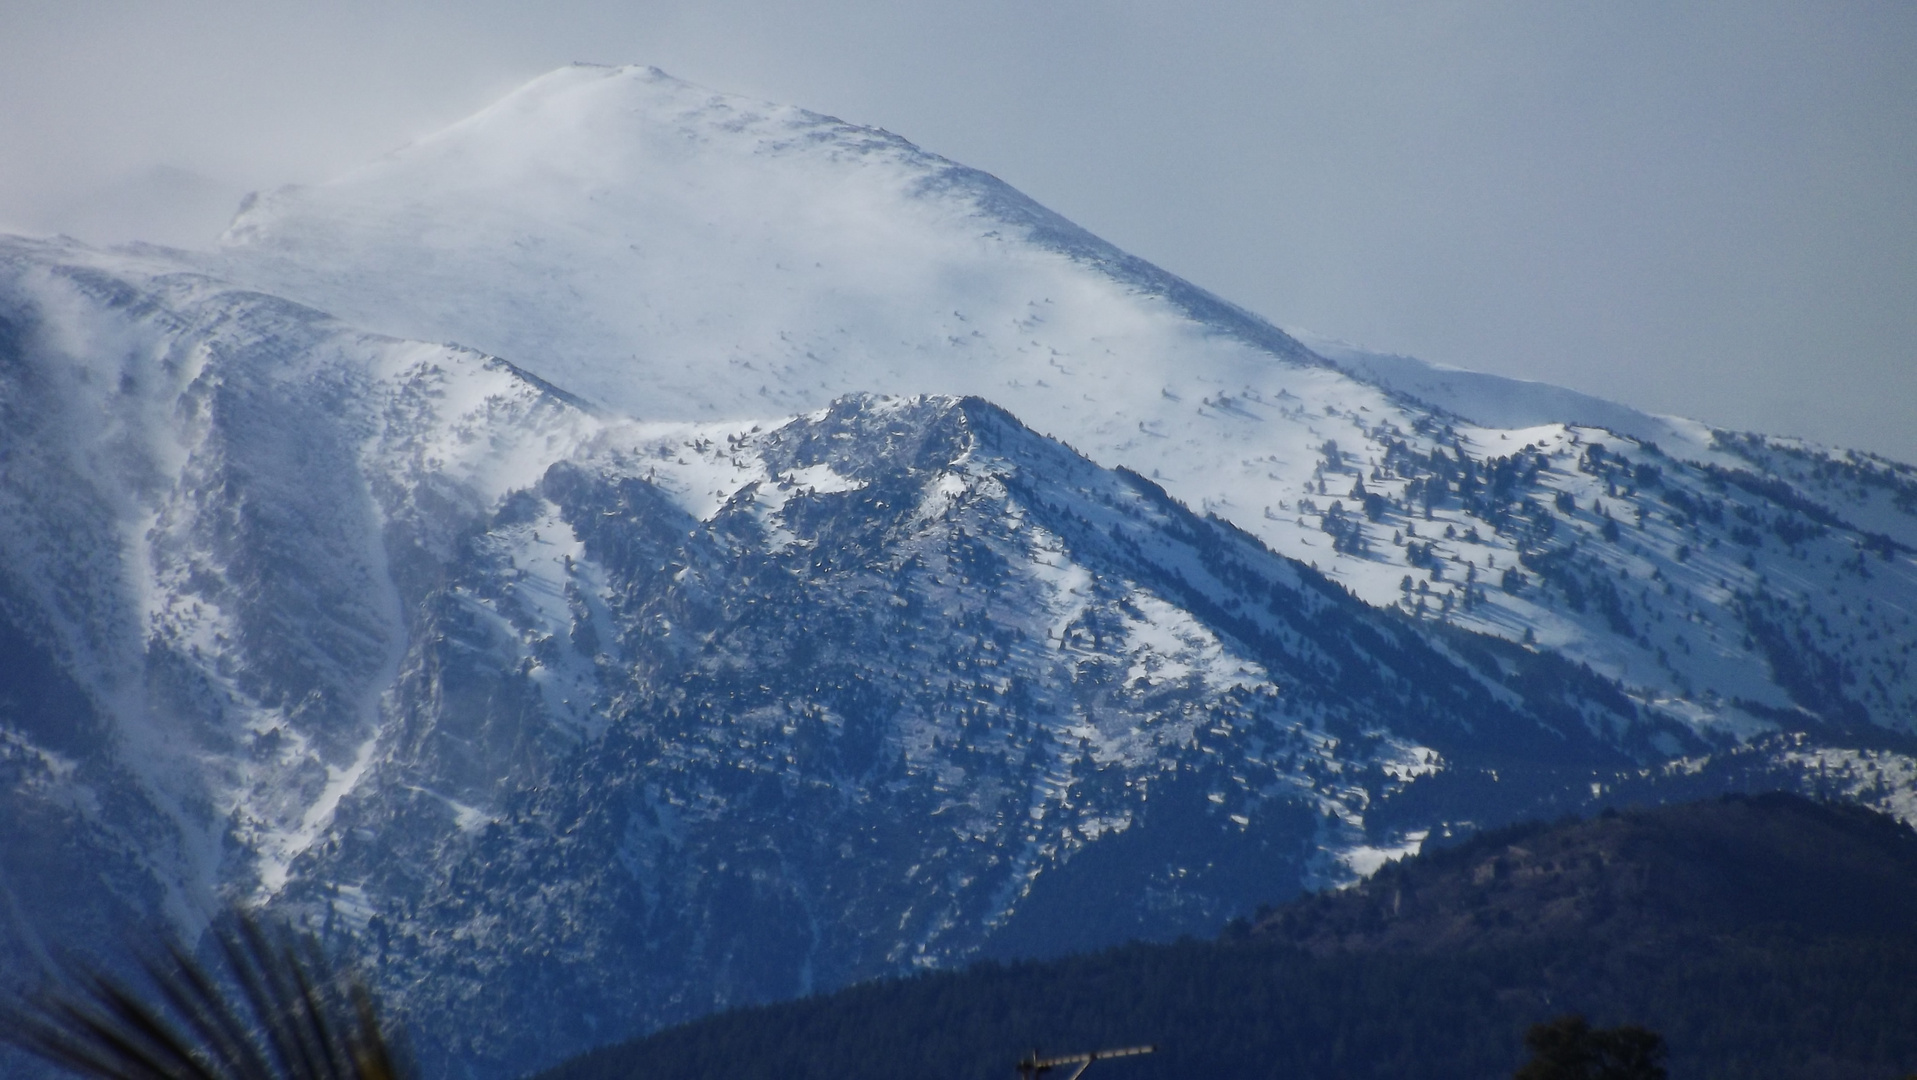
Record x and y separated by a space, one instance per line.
1762 937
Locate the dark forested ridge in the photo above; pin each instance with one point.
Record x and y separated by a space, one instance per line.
1764 936
1773 863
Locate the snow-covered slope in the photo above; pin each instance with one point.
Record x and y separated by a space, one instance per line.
668 252
197 496
671 253
851 566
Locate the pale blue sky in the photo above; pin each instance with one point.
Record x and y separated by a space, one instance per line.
1702 208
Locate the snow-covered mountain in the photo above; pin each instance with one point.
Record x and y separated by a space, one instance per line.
850 566
670 253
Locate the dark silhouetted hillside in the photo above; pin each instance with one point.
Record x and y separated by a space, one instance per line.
1772 863
1762 937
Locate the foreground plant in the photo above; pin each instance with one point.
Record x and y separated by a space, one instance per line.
268 1008
1569 1048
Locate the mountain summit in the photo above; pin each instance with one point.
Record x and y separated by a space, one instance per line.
678 254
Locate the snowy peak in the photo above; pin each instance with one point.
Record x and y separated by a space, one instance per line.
677 254
589 135
921 687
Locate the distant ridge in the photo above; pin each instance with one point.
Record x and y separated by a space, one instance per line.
1503 402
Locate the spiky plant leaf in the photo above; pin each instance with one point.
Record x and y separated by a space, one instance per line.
268 1007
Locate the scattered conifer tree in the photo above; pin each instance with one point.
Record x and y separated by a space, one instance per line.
1569 1048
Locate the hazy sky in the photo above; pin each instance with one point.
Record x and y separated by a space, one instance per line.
1700 208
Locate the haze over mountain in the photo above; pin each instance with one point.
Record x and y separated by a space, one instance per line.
807 559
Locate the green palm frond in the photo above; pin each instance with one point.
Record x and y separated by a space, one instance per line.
268 1008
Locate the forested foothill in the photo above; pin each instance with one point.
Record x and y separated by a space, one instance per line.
1759 936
